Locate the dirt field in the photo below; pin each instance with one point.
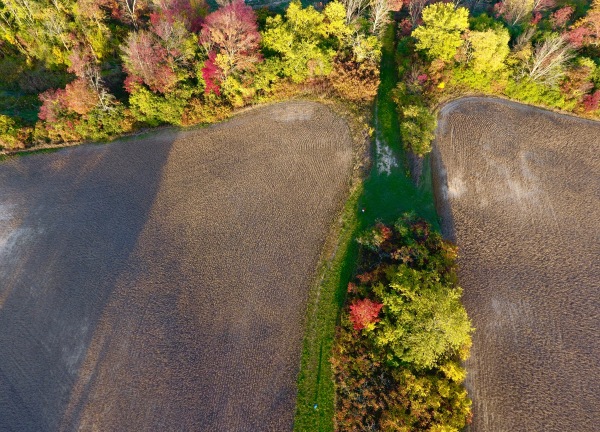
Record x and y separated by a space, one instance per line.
160 283
524 192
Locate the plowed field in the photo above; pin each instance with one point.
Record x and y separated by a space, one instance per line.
160 283
519 190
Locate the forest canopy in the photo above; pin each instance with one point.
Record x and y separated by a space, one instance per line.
77 70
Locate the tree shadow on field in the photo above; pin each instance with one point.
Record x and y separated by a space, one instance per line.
439 177
68 222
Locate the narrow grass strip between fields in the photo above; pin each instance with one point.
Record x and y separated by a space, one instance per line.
383 196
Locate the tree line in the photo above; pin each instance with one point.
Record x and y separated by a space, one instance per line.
86 69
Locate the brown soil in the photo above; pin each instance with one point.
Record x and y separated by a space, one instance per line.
160 283
523 188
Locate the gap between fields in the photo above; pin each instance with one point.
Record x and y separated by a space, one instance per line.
383 196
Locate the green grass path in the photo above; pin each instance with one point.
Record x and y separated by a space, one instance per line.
382 197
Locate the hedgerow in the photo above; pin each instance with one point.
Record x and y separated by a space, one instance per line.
403 334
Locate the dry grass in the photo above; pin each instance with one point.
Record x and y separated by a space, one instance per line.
520 189
161 283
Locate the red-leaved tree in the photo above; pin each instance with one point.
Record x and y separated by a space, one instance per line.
231 33
190 13
84 65
364 312
211 73
591 101
53 105
577 36
586 31
80 97
146 60
560 18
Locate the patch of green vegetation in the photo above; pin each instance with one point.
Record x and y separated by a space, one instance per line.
19 105
383 197
387 196
38 151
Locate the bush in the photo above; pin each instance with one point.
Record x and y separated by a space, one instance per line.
200 111
10 138
355 82
417 128
104 124
154 109
528 91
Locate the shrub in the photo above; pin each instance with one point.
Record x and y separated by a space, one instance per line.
355 82
200 111
591 101
528 91
10 134
417 128
153 109
426 402
363 313
104 124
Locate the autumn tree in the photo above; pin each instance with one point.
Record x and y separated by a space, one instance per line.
190 13
514 11
85 65
591 102
230 36
424 320
354 9
380 14
161 56
417 128
586 30
363 313
171 30
53 105
131 11
9 131
577 80
488 50
40 30
305 39
147 62
79 97
440 35
561 17
415 9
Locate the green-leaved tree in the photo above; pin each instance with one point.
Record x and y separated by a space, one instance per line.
306 40
424 321
440 34
488 50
